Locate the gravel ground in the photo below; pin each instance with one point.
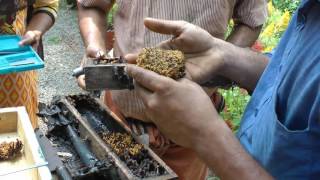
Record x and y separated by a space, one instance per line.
63 50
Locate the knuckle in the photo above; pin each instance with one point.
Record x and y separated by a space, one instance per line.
151 104
138 76
161 87
164 87
183 23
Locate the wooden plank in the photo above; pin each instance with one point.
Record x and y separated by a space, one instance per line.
8 121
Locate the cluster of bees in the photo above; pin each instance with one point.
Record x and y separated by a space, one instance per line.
9 150
122 142
169 63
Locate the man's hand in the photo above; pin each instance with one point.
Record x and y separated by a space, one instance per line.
31 38
94 51
81 82
183 113
201 50
180 109
93 27
208 57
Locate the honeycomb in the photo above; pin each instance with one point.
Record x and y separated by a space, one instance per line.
9 150
169 63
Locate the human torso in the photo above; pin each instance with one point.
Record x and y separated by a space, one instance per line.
281 125
131 35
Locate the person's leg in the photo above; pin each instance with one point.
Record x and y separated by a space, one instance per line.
20 89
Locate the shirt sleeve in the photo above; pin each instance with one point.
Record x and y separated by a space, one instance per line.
49 7
251 12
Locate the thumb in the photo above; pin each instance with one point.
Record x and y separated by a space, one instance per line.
164 26
27 39
95 52
131 58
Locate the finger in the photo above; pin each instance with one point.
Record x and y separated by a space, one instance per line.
143 93
35 46
164 26
131 58
81 82
148 79
27 40
95 52
134 128
185 81
168 45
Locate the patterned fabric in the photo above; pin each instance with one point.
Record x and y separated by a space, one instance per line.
20 89
47 6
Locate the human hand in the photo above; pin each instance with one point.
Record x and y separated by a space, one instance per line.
203 52
180 109
94 51
81 82
31 38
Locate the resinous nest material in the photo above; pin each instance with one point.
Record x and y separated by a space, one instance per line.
170 63
9 150
121 142
134 155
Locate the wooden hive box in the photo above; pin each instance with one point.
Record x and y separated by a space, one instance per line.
102 150
31 164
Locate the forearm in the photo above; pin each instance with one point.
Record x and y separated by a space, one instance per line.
92 23
40 23
242 65
243 35
220 149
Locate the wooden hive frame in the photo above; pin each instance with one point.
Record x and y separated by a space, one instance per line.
102 150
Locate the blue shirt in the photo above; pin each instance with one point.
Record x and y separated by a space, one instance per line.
281 124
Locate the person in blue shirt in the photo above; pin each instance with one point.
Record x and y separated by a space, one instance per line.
280 132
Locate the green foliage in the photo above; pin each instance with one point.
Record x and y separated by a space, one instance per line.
236 100
289 5
272 40
110 16
229 29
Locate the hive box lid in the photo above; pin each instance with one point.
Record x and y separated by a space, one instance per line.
14 58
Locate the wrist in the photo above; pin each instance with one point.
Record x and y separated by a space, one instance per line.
229 54
210 136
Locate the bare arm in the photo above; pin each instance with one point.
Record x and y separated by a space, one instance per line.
40 23
225 155
92 24
207 56
191 121
243 35
242 65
